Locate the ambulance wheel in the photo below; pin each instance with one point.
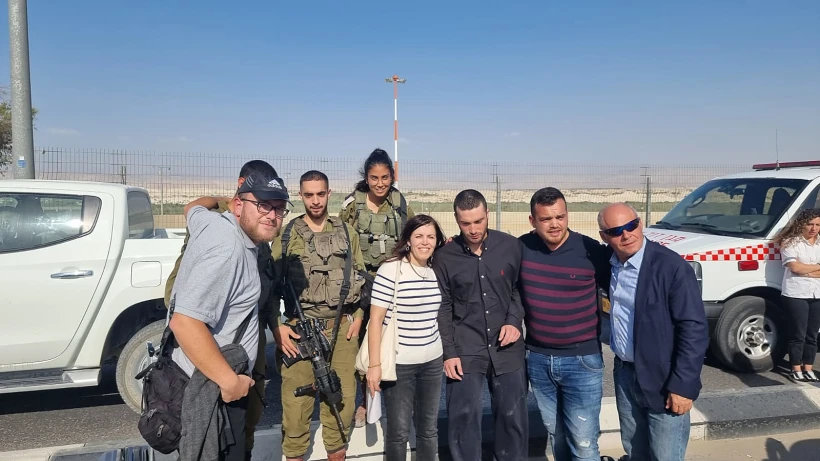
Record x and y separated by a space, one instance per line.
133 359
750 335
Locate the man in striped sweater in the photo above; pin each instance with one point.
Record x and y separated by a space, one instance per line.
561 271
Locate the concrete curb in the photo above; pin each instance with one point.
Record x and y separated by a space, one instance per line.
718 415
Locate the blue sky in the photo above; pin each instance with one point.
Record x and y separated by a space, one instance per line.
582 82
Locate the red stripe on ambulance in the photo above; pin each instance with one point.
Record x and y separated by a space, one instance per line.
761 252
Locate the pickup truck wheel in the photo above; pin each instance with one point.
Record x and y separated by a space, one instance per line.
750 335
134 358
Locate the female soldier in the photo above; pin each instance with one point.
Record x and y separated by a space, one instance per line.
378 212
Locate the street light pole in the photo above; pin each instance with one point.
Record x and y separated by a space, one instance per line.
395 80
22 131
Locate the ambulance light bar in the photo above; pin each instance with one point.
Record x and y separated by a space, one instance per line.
776 166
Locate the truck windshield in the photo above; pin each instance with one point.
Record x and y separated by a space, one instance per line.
746 207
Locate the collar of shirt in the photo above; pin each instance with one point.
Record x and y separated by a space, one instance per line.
804 240
634 261
466 247
248 242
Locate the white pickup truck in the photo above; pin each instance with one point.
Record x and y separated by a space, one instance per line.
82 280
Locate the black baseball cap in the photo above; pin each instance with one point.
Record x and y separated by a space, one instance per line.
265 187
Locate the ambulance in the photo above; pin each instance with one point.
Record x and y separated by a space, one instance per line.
724 230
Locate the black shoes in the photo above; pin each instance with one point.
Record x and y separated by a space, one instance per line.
797 376
803 376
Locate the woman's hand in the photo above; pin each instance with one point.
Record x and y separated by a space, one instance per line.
374 377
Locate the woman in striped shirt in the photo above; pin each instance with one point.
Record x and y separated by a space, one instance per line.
415 394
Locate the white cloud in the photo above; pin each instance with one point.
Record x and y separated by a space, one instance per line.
512 134
64 131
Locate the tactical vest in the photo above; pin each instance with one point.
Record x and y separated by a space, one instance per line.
320 272
379 232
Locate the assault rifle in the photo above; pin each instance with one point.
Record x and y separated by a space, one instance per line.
314 346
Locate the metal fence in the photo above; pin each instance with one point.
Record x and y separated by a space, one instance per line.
173 179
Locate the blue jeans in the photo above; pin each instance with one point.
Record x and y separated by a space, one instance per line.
645 433
568 391
413 399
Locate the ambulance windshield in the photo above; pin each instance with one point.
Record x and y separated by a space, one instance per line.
743 207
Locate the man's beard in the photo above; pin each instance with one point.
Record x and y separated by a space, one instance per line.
319 215
255 231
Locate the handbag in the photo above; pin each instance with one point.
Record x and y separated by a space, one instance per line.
390 340
163 389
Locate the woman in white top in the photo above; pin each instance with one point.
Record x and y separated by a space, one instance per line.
414 396
800 251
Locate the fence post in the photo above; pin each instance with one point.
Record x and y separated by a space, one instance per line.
497 203
648 219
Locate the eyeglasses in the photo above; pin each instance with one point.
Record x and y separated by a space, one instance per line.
265 208
618 231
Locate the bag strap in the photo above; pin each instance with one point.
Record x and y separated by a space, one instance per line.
393 303
166 343
168 334
242 328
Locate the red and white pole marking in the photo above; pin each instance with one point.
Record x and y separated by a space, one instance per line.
396 80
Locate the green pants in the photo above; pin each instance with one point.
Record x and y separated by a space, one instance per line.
255 408
297 411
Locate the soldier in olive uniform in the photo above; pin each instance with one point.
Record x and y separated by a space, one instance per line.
317 249
266 276
377 211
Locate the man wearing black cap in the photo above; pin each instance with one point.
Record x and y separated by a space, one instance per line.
211 309
267 312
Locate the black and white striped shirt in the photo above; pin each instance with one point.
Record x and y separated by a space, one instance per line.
418 301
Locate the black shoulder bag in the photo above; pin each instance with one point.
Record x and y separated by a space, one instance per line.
163 389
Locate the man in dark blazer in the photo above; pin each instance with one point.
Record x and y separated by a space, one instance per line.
659 337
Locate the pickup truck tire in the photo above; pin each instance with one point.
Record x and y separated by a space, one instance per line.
750 335
133 359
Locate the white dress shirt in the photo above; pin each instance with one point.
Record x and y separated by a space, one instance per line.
797 286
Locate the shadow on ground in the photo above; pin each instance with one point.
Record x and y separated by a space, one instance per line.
804 450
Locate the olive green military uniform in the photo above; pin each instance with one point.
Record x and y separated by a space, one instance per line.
266 276
315 264
378 232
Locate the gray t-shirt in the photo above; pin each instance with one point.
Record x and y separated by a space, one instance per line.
218 281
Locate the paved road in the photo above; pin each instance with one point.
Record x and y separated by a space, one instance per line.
69 416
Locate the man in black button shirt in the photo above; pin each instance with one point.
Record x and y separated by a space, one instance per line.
480 322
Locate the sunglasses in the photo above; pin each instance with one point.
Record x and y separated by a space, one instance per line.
628 227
